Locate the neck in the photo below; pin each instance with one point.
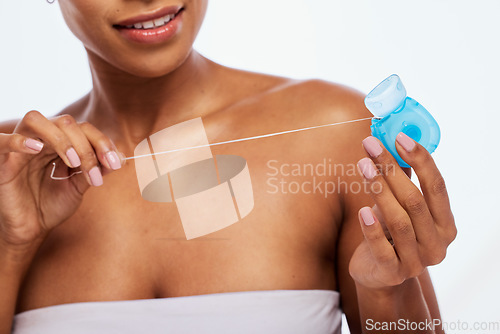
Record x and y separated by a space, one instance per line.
131 108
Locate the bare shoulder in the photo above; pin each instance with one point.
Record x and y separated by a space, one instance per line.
269 104
314 100
329 103
309 103
324 100
320 96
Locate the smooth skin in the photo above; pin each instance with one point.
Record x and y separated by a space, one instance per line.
77 240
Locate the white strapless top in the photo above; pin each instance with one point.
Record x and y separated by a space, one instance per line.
275 312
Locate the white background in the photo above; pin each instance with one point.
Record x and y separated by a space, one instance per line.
446 51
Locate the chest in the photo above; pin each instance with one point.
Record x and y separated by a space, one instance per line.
122 246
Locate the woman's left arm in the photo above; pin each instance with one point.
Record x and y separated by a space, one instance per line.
389 289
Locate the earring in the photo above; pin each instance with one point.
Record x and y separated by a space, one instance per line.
51 1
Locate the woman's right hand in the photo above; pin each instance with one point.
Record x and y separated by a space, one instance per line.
31 202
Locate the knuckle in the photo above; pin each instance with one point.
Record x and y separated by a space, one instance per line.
388 169
84 125
403 228
13 140
376 187
31 116
88 157
400 225
105 142
373 237
415 204
452 233
88 127
436 257
438 186
65 120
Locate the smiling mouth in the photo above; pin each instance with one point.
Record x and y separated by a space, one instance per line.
153 23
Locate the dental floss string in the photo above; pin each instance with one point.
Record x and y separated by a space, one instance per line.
249 138
223 143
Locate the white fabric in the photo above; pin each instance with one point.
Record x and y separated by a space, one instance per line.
280 311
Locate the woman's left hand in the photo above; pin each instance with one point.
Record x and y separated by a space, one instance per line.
411 229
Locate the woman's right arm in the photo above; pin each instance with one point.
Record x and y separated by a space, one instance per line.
31 203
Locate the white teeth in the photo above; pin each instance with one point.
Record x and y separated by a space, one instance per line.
152 24
159 22
148 24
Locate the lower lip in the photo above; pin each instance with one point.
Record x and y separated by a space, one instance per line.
154 35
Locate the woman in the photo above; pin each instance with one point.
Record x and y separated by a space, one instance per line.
91 238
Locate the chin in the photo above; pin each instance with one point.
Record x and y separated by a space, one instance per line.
152 64
153 67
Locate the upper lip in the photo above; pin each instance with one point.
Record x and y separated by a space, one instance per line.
151 15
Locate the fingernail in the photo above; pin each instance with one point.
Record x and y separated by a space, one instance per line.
405 141
113 160
372 146
33 144
367 168
123 159
96 177
367 216
73 158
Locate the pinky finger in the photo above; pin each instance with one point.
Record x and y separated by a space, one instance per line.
382 250
19 143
